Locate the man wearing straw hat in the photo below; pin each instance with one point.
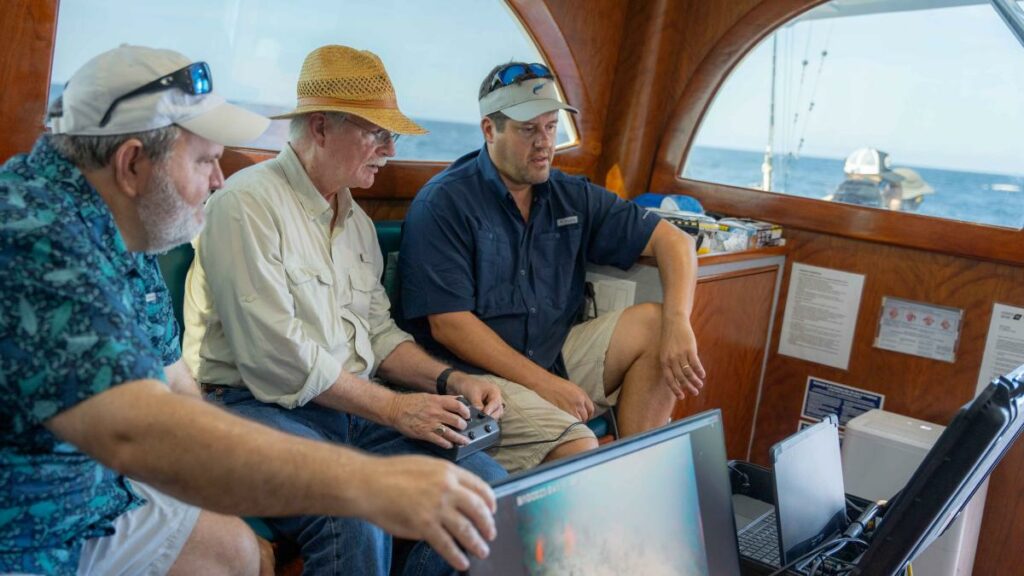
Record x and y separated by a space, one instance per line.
287 321
494 257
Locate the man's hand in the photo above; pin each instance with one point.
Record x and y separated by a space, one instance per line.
567 396
483 394
421 498
429 417
680 366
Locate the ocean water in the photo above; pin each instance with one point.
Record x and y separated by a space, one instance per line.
994 199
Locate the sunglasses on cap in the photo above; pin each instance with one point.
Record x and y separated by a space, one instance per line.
194 79
513 73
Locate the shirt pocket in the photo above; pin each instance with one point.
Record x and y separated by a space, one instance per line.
495 272
311 288
363 282
556 255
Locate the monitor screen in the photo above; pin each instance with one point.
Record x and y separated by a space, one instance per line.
658 503
962 458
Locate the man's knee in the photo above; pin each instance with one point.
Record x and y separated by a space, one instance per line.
570 448
643 321
219 545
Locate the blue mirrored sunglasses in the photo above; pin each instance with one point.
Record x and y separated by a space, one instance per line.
517 72
194 79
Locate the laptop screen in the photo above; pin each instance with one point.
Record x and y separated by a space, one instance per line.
809 497
655 504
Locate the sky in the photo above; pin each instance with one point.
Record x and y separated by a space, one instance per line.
941 88
436 51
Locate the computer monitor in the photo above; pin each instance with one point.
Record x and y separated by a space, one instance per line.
657 504
962 458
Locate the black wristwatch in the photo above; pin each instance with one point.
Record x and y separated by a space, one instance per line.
442 381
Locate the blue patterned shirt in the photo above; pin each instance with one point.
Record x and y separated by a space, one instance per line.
79 314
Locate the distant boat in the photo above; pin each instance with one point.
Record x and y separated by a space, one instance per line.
870 181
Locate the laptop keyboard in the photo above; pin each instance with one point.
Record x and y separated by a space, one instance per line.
760 541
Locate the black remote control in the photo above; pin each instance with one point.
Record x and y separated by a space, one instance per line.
482 431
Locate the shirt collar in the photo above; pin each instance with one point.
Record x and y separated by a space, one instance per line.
313 203
49 164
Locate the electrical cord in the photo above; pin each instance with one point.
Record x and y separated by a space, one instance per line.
816 551
535 442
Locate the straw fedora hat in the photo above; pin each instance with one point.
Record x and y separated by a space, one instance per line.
342 79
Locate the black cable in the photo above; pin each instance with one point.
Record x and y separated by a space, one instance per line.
815 551
560 436
744 479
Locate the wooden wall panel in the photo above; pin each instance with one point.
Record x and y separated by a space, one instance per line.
27 31
918 387
667 40
731 323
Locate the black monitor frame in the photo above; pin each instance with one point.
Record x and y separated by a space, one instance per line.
712 483
959 462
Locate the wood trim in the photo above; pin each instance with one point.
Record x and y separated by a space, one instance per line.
542 25
28 30
909 230
740 273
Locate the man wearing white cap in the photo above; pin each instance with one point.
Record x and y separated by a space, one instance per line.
91 383
493 263
286 318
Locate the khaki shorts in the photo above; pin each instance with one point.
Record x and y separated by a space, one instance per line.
529 420
147 540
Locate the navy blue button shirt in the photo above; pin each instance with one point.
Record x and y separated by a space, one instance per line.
79 314
466 247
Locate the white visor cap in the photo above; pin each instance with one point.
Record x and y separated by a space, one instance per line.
524 100
92 89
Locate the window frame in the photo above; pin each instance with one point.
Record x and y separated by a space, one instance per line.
898 228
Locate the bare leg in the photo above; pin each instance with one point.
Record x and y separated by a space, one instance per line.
570 448
222 545
633 361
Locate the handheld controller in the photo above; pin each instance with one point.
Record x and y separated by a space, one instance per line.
482 431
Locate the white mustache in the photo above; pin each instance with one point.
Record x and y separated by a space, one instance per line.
379 163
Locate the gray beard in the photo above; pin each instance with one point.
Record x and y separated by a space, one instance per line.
167 219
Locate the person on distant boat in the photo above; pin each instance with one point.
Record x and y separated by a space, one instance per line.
91 379
492 266
287 321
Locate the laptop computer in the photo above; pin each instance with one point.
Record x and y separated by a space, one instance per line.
810 501
655 504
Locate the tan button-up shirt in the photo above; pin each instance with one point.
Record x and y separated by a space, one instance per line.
278 301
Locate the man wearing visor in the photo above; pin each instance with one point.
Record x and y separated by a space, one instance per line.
92 385
493 261
286 318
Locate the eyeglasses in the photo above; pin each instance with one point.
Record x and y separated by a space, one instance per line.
518 72
194 79
381 136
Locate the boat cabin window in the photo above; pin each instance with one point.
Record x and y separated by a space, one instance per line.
909 106
436 52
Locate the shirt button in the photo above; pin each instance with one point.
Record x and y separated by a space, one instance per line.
529 353
522 271
533 310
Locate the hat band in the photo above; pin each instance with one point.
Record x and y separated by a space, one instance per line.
389 103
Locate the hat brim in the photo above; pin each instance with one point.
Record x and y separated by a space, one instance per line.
529 110
227 124
391 120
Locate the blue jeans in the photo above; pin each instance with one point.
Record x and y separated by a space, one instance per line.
333 545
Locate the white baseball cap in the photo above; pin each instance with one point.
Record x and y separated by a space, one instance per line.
523 101
90 92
